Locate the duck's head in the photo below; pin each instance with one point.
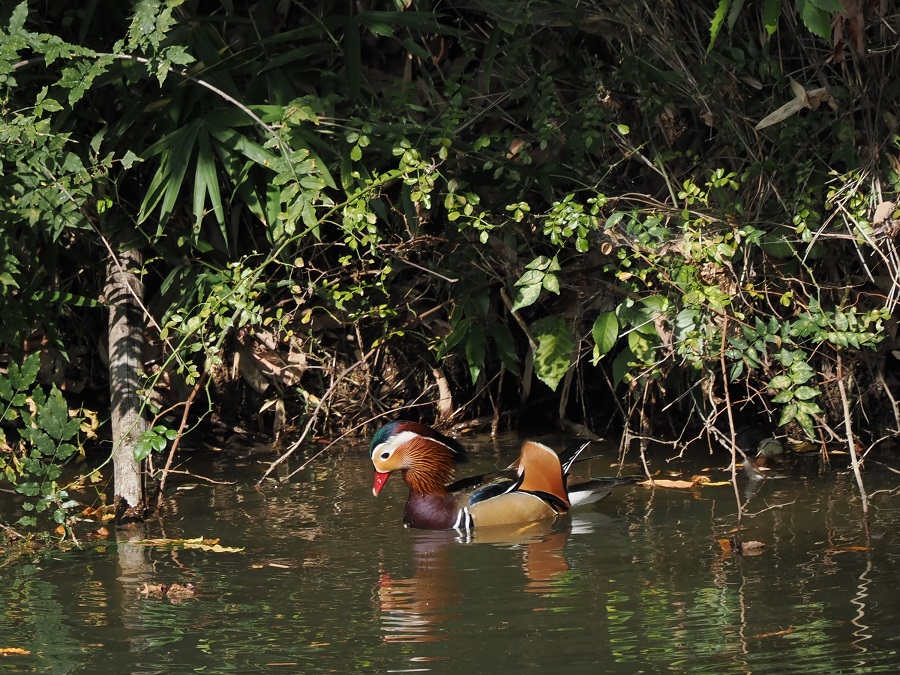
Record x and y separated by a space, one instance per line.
425 456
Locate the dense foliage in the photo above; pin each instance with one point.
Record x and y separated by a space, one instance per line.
351 209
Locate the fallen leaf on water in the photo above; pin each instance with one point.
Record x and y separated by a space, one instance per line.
9 651
752 547
786 631
175 592
666 483
694 482
211 545
840 549
743 548
100 533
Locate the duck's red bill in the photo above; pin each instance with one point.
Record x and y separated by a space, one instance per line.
380 480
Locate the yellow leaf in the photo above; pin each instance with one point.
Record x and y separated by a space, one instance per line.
200 543
666 483
9 651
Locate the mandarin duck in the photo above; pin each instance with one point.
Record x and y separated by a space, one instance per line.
533 489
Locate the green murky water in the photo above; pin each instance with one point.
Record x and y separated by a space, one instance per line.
330 581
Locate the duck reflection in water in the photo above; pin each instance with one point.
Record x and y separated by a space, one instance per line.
412 609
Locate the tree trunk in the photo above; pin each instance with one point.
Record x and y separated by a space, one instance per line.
125 292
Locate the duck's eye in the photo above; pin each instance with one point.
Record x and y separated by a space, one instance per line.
385 455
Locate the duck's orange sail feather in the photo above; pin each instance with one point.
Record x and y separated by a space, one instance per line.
542 471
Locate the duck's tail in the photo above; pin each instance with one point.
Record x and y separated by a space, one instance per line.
595 489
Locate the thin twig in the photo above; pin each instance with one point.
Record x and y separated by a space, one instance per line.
349 432
733 438
184 417
851 444
182 472
769 508
315 414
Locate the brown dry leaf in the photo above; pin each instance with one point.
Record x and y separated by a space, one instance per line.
811 99
751 547
155 590
882 211
10 651
678 484
99 533
666 483
174 592
726 544
181 591
514 148
839 549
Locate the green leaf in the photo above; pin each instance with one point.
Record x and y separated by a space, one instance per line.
640 346
717 21
476 346
785 396
605 332
806 423
17 19
805 393
621 366
788 414
206 182
817 20
734 13
506 345
656 303
54 416
525 296
176 149
22 377
780 382
142 450
614 219
771 14
829 5
551 283
553 356
809 407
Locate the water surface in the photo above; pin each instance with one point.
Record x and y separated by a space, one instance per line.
330 581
